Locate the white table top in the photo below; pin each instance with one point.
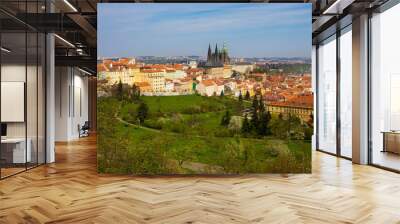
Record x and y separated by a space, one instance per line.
13 140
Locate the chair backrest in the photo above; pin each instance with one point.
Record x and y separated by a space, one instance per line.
86 125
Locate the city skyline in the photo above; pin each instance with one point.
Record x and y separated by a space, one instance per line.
171 30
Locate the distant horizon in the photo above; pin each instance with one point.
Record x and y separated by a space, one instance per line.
250 30
203 57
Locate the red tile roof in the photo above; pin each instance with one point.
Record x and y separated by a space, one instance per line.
208 82
152 70
142 84
101 68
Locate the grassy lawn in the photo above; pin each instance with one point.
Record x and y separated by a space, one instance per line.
191 114
188 104
185 130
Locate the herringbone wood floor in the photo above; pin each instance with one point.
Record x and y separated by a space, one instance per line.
70 191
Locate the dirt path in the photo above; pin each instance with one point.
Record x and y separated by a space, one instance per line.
202 168
143 127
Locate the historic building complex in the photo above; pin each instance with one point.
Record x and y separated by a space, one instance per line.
219 58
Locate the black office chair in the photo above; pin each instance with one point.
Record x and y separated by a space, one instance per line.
84 130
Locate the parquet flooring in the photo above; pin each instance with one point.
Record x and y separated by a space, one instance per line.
71 191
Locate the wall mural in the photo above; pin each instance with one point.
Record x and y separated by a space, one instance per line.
204 88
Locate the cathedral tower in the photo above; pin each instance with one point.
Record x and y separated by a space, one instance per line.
217 58
216 53
209 55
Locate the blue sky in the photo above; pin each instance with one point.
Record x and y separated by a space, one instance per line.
164 29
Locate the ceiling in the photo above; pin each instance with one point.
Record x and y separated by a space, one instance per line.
75 21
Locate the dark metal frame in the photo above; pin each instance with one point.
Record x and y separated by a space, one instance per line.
338 98
316 95
369 98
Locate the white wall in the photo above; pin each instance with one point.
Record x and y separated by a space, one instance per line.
50 94
15 73
9 73
71 103
33 126
62 83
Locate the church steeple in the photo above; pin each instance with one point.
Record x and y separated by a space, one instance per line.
216 53
225 54
209 55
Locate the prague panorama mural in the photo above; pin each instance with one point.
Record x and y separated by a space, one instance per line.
204 89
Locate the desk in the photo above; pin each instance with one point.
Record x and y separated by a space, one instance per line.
15 148
391 141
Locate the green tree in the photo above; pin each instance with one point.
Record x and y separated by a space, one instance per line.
308 132
269 116
254 122
278 127
246 125
289 124
255 103
261 106
120 90
280 116
134 93
295 127
183 154
221 94
230 156
226 119
142 112
240 97
247 96
310 121
255 115
263 127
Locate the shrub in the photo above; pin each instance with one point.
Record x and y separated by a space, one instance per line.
223 132
271 152
235 123
192 110
153 124
177 128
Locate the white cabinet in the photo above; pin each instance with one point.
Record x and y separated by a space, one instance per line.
19 155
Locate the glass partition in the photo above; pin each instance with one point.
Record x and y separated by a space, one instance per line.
327 95
13 94
385 89
22 88
346 92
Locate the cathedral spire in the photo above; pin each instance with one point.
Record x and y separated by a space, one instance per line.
209 55
216 53
224 48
